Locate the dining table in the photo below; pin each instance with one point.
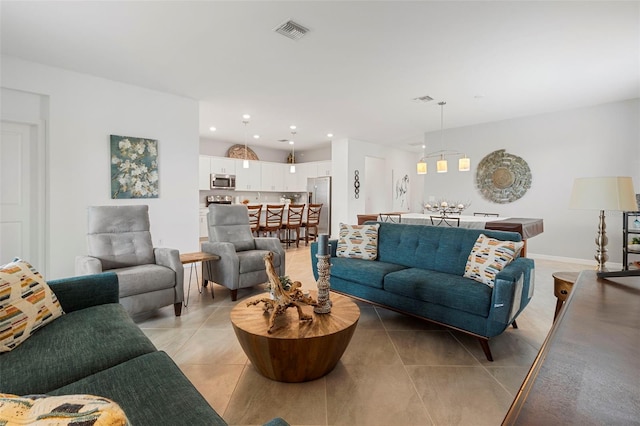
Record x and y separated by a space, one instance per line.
526 227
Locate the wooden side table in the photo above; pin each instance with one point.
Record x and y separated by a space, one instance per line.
296 351
562 284
193 258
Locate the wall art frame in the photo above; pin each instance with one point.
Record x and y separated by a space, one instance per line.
134 167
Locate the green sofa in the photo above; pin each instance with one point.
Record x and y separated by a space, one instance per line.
419 271
95 348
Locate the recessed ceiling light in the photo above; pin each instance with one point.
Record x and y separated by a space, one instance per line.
329 135
213 129
292 127
291 142
256 136
246 116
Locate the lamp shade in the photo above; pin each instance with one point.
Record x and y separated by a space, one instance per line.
421 167
603 193
441 165
464 164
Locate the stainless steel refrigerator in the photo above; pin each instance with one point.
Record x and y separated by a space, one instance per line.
319 189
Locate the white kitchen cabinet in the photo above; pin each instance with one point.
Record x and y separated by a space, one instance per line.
297 182
223 165
248 179
323 168
204 173
272 176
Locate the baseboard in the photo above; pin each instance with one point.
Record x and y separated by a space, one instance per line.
612 266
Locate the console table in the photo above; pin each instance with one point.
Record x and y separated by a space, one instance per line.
588 369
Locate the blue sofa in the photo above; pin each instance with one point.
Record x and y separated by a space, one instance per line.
419 271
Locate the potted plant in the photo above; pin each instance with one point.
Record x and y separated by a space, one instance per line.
634 244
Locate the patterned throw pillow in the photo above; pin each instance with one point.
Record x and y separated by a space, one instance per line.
488 257
358 241
26 303
43 410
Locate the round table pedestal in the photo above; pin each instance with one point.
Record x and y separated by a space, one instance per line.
296 351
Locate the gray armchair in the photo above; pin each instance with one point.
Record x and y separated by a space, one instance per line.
241 263
119 240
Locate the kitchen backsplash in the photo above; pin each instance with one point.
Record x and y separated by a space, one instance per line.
255 197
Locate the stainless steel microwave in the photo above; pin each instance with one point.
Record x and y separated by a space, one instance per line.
223 181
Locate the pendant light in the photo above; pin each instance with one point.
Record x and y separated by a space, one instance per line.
245 121
441 165
421 166
292 168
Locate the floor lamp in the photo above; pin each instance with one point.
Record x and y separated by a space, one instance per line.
604 193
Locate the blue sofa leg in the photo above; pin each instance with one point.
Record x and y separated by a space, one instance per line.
485 347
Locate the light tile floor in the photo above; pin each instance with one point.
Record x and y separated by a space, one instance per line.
397 370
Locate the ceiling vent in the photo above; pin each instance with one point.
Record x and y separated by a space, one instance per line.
292 30
423 99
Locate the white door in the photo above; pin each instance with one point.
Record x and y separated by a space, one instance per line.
17 148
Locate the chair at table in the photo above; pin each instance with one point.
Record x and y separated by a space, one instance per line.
486 214
241 263
293 223
254 218
311 224
118 240
390 217
362 218
273 219
445 220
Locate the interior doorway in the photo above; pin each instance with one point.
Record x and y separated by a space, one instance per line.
376 193
21 194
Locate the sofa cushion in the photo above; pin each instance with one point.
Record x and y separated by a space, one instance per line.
361 271
444 289
26 303
75 345
151 390
358 241
61 410
488 257
144 279
435 248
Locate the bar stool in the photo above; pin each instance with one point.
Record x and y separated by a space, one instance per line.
313 219
273 219
254 218
294 222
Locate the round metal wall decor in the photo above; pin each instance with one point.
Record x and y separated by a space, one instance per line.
502 177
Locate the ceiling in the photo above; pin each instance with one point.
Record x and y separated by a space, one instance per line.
356 72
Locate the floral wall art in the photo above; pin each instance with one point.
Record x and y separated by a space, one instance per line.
134 167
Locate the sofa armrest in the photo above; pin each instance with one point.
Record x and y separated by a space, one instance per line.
333 245
87 265
171 259
225 271
512 290
75 293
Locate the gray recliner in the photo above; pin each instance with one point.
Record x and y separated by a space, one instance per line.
241 263
119 240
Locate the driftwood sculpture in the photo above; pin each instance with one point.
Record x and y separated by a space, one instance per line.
283 298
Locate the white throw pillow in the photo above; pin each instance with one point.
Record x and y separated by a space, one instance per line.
358 241
488 257
26 303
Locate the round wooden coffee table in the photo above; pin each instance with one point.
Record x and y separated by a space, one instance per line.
296 351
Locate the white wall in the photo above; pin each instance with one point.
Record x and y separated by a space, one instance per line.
603 140
349 155
83 112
